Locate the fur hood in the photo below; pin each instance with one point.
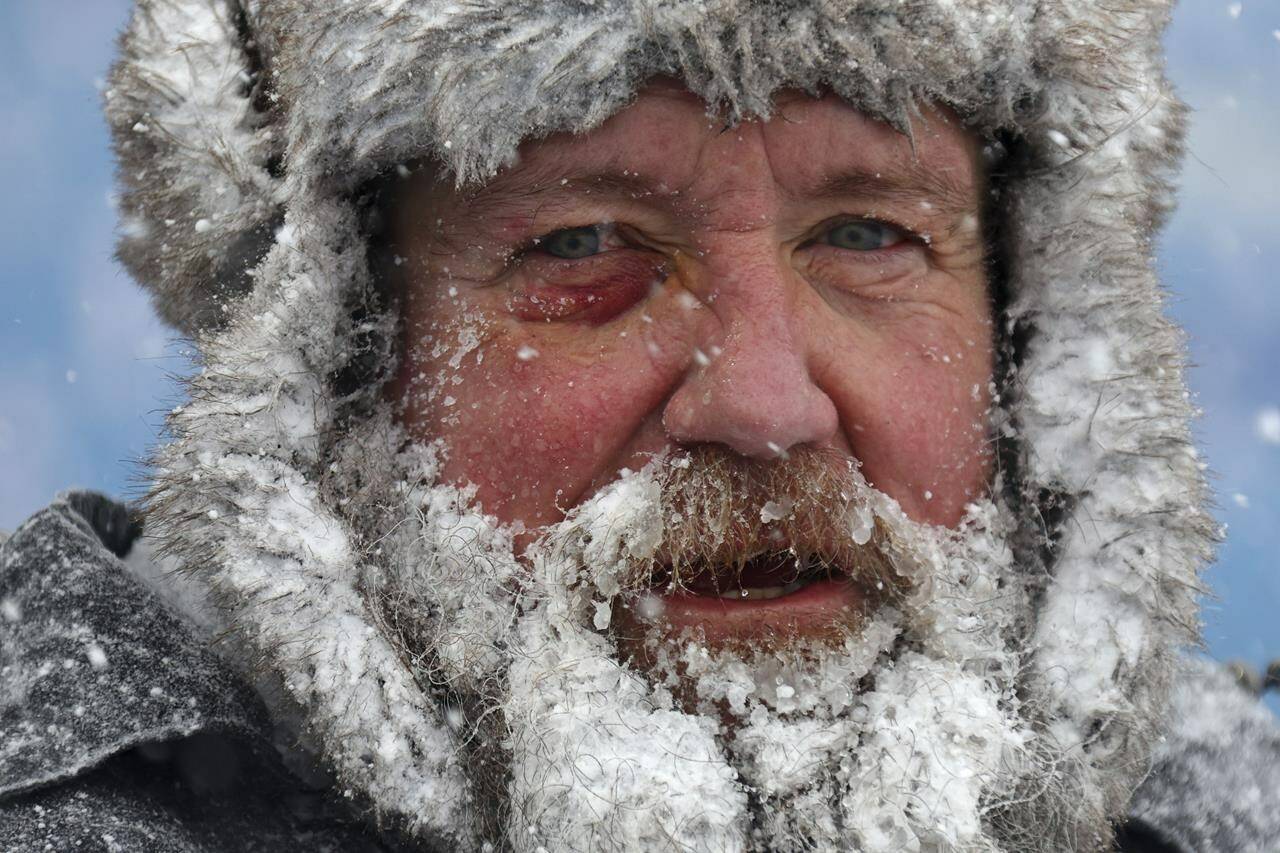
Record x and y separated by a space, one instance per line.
246 130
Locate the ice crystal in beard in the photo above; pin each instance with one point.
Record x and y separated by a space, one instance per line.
720 510
819 678
708 516
690 516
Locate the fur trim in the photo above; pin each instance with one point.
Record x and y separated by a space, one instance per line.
196 151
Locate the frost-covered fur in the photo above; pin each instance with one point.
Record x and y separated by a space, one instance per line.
246 135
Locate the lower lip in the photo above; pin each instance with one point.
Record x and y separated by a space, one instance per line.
814 611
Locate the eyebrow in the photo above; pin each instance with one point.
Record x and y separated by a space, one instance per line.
608 183
911 182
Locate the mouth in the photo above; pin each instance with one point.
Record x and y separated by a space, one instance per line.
771 599
764 577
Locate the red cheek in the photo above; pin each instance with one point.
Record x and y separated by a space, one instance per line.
543 442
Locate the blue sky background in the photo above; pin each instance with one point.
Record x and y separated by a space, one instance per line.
84 365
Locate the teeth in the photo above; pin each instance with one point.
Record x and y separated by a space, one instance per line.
763 593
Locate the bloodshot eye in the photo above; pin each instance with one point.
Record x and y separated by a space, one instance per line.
572 243
862 235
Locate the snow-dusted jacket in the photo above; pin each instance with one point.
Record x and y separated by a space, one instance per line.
247 132
122 729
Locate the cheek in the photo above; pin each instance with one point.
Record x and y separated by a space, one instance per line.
916 416
535 414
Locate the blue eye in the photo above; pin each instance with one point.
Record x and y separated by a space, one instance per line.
862 235
572 243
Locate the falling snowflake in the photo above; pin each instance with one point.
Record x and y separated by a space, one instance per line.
1268 424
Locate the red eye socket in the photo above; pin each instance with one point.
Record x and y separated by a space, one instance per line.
592 290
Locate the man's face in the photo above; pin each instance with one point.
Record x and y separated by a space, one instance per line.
799 623
809 285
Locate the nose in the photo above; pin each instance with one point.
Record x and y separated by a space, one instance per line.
753 392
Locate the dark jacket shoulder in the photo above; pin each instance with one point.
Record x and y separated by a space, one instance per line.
121 729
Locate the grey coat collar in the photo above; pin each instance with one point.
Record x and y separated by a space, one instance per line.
120 729
92 664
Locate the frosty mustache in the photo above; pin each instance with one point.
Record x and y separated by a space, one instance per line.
728 522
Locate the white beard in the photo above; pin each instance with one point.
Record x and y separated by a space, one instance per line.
916 734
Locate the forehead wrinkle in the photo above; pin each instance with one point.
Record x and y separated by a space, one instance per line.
541 187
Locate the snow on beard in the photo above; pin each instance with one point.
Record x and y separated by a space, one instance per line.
898 730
